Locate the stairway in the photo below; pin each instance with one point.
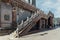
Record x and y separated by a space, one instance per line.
24 27
29 26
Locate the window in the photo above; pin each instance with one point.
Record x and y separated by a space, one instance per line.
7 17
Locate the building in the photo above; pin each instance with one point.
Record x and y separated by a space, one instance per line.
24 16
32 2
57 21
51 19
9 12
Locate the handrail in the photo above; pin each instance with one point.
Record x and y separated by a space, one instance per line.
27 21
30 22
31 19
21 4
23 24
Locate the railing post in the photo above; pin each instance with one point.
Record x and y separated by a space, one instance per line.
14 24
17 32
32 16
27 18
22 22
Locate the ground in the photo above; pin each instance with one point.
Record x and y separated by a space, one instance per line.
46 35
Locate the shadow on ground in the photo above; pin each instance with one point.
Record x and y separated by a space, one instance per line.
7 32
38 31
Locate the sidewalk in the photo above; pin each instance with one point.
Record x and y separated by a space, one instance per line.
47 35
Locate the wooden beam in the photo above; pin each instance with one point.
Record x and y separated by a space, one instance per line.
14 24
23 5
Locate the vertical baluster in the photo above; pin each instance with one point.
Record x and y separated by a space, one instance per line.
17 32
21 25
32 16
35 14
21 22
27 18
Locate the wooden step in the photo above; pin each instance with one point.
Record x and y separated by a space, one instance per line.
27 29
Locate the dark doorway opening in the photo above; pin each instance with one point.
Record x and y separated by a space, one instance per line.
49 22
43 23
36 27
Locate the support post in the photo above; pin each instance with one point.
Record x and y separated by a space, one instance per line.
14 24
40 24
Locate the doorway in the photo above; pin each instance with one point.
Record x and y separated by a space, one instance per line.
43 23
49 22
36 27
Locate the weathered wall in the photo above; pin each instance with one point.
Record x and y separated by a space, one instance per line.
6 10
50 17
22 15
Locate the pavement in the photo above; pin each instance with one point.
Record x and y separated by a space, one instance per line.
46 35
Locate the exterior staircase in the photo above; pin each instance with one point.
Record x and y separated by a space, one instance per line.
24 27
28 24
